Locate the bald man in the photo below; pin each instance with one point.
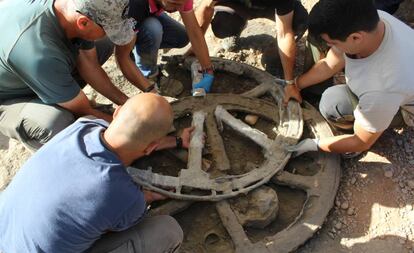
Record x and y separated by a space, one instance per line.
74 194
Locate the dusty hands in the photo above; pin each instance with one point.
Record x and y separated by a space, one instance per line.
291 91
304 146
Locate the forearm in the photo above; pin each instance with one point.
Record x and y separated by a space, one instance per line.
80 106
131 72
167 142
198 43
92 72
322 70
343 144
99 80
287 52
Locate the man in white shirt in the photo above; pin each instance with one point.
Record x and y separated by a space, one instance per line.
376 51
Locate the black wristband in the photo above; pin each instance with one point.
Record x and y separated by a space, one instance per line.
178 142
149 88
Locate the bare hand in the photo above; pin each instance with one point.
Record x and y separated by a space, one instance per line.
151 196
186 136
291 91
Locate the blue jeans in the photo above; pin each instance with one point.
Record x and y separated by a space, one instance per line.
157 32
337 106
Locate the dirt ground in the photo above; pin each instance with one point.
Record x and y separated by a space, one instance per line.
374 208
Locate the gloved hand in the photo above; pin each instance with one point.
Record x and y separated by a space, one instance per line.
304 146
205 83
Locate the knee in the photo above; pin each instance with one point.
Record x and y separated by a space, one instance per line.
150 35
173 232
54 120
335 104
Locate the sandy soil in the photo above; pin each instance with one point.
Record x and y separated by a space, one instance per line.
374 210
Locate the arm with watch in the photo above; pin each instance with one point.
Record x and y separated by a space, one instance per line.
182 141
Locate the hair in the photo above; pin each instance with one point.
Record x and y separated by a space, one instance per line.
340 18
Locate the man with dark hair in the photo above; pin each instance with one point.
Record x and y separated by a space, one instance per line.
376 50
157 30
75 195
228 18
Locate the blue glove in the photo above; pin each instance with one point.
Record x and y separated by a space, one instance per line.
205 83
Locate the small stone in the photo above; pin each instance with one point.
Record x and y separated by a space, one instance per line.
345 205
388 174
351 211
337 203
411 162
338 226
399 142
251 119
331 235
403 190
353 180
410 184
401 184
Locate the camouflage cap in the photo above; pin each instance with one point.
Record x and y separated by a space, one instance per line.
112 16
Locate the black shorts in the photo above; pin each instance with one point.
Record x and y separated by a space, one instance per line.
282 7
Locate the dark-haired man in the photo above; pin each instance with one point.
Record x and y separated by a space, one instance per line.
228 18
376 50
157 30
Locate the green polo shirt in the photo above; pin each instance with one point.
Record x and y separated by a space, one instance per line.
36 59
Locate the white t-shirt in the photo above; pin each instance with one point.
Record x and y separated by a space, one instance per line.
384 81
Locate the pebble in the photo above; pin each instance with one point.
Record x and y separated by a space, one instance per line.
338 226
353 180
399 142
411 162
403 190
388 174
410 183
351 211
251 119
331 235
345 205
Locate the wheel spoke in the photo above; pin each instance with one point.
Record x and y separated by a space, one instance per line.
216 144
255 135
306 183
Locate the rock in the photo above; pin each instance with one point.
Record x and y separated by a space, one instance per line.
206 164
337 203
331 235
345 205
404 190
351 211
353 180
258 209
251 119
338 226
410 184
388 173
411 162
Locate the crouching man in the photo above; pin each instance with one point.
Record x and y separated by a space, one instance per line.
75 195
376 51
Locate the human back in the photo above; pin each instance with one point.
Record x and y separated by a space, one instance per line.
76 188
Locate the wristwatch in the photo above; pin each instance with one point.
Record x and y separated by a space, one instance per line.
178 142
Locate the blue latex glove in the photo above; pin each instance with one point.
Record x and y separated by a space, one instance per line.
205 83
